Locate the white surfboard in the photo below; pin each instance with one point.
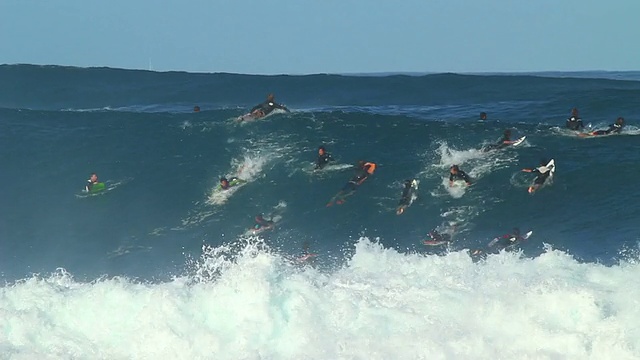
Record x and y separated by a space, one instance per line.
519 141
551 164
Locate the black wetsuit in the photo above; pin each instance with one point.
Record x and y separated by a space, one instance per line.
355 181
268 106
323 160
436 236
542 176
613 129
499 145
507 241
406 193
574 123
89 185
460 175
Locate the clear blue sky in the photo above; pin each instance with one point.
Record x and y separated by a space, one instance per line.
319 36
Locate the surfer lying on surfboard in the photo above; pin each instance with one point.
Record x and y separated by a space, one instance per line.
437 238
441 235
364 170
265 108
225 183
306 255
506 241
544 171
615 128
503 143
407 193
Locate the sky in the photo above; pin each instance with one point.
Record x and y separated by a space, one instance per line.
324 36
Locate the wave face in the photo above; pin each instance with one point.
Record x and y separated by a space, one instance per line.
162 264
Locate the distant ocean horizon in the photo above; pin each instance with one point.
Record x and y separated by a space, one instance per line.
164 265
595 74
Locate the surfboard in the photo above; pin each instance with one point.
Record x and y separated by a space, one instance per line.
306 257
552 164
519 141
97 187
247 117
434 242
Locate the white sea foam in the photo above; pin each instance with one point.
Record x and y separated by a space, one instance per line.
250 303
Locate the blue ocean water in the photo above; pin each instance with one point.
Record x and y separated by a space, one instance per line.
159 266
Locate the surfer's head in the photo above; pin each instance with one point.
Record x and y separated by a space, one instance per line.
483 116
620 121
454 169
574 112
196 108
270 97
321 150
224 183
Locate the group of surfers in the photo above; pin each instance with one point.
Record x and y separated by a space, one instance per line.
364 169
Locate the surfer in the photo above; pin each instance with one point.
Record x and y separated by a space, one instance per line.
456 174
442 234
363 171
263 224
307 256
483 116
505 242
614 128
543 171
323 158
226 184
265 108
196 108
504 142
407 193
438 237
93 181
574 122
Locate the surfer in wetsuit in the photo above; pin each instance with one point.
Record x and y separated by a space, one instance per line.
307 256
456 174
363 171
614 128
440 235
226 184
506 242
262 223
437 236
574 122
93 180
323 158
265 108
543 173
504 142
405 199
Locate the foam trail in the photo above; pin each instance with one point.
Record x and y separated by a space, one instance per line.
246 169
